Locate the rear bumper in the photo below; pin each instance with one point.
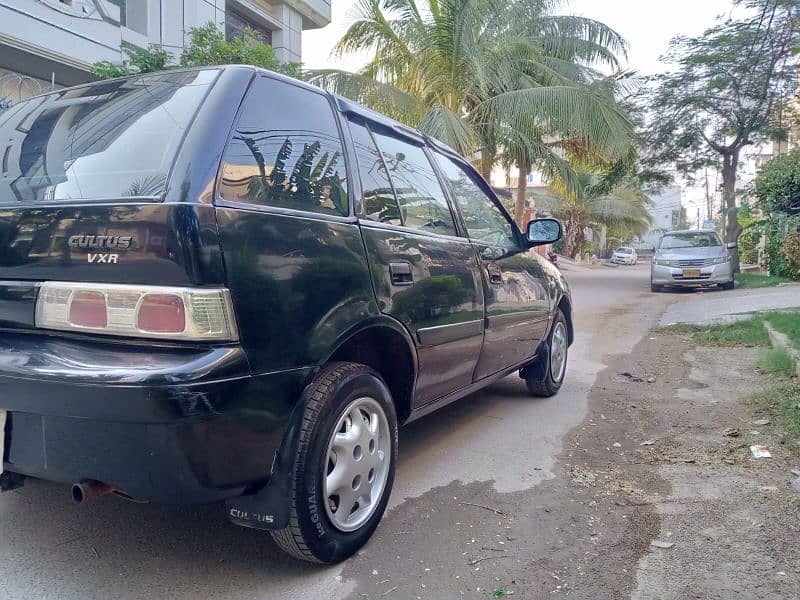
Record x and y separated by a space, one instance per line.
170 425
672 276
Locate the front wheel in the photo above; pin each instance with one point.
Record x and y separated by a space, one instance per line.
728 286
344 467
544 380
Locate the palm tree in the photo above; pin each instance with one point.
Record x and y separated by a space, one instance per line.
606 200
483 75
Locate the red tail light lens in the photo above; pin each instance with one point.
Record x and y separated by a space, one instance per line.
88 309
162 313
145 311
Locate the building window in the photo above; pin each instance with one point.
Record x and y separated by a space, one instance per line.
121 4
237 26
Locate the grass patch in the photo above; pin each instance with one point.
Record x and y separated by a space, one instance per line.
755 280
748 332
783 402
776 361
788 323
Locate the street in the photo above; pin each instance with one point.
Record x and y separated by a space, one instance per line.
500 440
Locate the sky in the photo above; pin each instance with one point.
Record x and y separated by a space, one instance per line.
647 26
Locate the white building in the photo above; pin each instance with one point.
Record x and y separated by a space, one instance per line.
57 41
666 213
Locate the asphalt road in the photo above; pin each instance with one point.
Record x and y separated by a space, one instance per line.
109 548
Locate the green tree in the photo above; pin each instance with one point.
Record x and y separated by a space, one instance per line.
722 97
487 75
777 186
138 61
207 46
603 200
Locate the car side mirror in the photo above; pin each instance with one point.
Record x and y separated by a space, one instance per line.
543 231
730 245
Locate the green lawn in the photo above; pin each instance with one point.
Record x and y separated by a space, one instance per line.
788 323
776 361
782 401
749 332
755 280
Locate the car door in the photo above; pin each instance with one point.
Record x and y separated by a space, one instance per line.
515 290
425 274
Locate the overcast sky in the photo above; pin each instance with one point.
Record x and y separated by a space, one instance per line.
648 27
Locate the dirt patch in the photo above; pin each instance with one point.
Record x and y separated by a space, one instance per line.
655 495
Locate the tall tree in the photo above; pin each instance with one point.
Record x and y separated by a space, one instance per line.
614 198
723 96
484 74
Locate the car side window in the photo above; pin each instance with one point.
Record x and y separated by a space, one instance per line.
423 204
286 152
380 203
484 220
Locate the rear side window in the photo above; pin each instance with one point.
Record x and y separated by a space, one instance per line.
285 152
379 201
484 220
107 140
420 197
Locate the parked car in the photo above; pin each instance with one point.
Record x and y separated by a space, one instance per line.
223 284
624 255
691 258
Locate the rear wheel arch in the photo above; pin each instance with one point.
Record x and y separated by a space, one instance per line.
390 353
566 307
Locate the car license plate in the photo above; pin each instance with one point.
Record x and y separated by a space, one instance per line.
2 438
691 273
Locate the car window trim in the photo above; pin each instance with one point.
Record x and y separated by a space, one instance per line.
288 212
220 201
360 121
369 223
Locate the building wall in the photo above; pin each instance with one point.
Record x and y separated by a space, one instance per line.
48 39
665 211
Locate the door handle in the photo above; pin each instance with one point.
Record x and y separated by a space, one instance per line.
495 274
400 273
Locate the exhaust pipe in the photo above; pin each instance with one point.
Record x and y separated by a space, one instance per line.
88 489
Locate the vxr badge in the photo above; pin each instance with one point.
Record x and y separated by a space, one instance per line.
101 242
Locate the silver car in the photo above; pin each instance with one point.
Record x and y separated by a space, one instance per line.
691 258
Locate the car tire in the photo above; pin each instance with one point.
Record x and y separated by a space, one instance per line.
656 288
729 285
545 381
316 531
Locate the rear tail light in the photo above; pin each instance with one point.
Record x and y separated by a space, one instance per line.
137 311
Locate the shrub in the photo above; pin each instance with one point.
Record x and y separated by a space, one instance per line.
781 251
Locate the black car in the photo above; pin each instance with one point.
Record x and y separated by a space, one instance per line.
224 285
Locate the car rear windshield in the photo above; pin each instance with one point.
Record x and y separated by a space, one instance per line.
108 140
689 240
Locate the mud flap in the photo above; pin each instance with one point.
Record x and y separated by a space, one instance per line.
538 368
268 507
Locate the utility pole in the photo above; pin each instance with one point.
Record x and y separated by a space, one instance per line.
698 217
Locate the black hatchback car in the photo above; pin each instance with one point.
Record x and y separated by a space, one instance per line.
224 285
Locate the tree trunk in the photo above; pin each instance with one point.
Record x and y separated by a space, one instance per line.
522 191
730 162
486 163
573 234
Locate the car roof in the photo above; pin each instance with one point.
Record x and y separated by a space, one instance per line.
345 105
684 231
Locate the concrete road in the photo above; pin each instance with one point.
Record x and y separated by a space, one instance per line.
500 437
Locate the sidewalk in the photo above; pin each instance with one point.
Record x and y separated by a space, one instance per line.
720 306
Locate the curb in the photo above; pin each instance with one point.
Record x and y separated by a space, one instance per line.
781 341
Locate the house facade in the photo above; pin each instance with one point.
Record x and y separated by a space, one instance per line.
53 43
